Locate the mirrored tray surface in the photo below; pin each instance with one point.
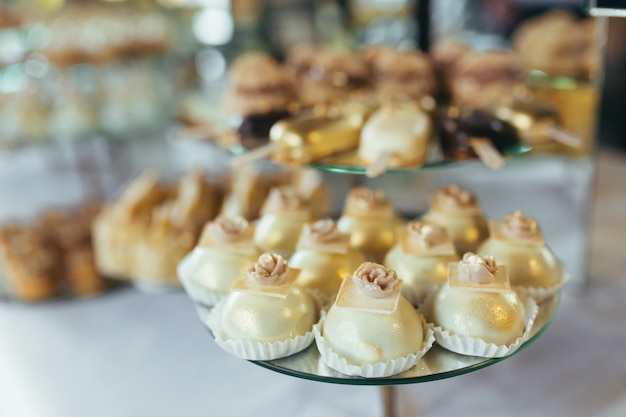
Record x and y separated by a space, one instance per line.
438 363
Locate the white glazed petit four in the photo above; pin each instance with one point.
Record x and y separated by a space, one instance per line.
284 213
371 330
421 258
517 243
397 133
370 220
458 211
324 258
477 313
265 316
224 251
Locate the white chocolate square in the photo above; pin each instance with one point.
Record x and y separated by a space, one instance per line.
245 284
496 232
351 297
445 248
340 246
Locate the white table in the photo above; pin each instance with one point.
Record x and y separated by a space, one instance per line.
134 354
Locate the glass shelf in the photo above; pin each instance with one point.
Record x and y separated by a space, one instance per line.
438 363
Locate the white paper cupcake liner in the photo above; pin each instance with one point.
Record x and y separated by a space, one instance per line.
194 289
253 350
475 346
371 370
541 294
415 294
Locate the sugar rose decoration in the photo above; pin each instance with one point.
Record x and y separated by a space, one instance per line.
426 234
476 269
270 269
454 197
516 225
375 280
323 231
229 229
363 199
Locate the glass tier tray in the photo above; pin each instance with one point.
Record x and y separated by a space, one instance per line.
438 363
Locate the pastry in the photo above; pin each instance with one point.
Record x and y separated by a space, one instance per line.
458 211
468 134
445 54
173 231
309 185
246 194
326 75
370 220
260 92
120 226
370 322
324 258
225 249
394 136
401 73
517 243
265 316
284 213
483 78
29 265
477 302
557 42
421 258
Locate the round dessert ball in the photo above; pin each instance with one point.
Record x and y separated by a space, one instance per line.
265 318
369 337
495 317
218 269
467 231
372 236
527 265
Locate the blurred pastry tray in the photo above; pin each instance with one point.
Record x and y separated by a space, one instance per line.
438 363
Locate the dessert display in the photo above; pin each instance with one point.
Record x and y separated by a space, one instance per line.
476 313
260 92
394 136
369 218
457 210
469 134
324 258
371 330
265 316
421 258
283 215
145 233
518 244
51 257
225 249
86 69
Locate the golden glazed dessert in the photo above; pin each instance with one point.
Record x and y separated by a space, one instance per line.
324 258
265 316
284 213
421 258
370 322
478 303
370 220
224 251
517 243
458 211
